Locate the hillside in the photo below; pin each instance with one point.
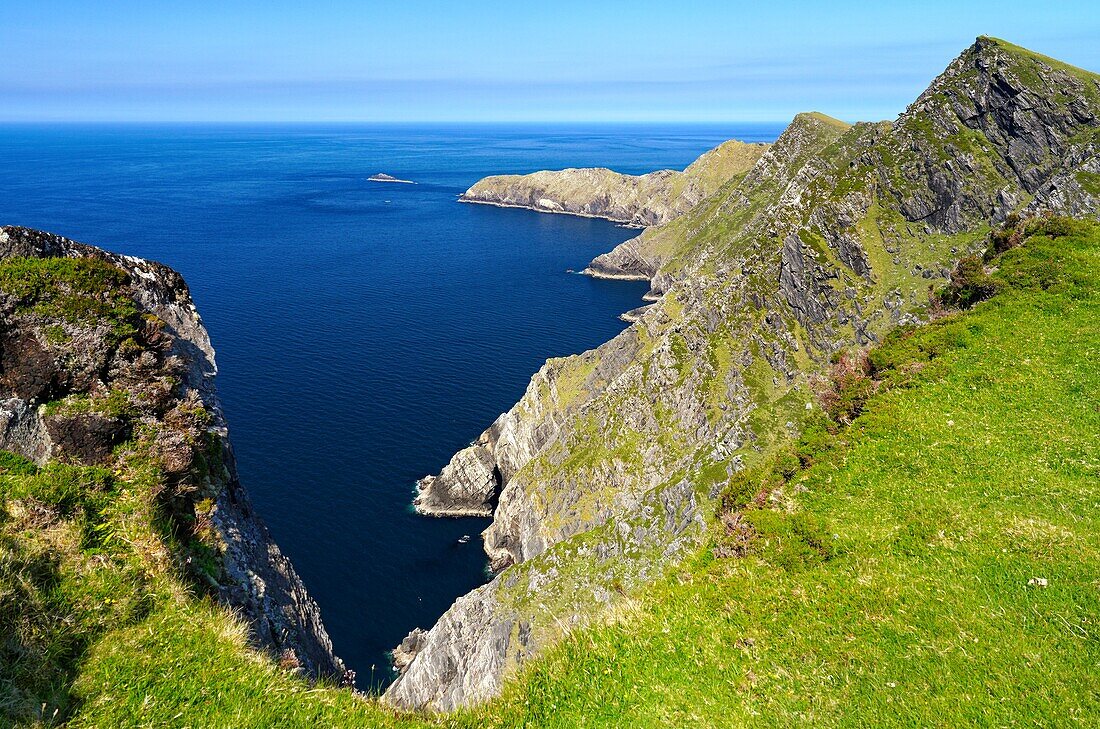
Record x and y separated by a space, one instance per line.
649 199
119 498
831 239
642 257
843 471
932 564
883 569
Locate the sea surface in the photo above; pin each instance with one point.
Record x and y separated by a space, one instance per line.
364 331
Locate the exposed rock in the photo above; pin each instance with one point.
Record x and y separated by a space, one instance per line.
409 648
491 631
262 584
21 430
467 486
84 438
628 261
383 177
641 200
26 369
828 241
634 314
166 365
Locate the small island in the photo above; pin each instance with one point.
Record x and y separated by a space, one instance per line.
383 177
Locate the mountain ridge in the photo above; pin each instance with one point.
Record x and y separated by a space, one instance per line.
832 237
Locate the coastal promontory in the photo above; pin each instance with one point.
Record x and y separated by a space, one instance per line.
638 200
611 468
120 504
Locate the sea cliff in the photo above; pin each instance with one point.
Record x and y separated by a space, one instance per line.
638 200
604 474
105 362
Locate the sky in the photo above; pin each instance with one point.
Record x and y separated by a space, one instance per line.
561 61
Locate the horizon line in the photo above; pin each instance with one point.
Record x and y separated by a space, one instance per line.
699 122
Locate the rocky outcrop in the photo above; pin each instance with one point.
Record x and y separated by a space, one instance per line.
467 486
116 343
832 237
383 177
640 200
634 314
629 261
487 633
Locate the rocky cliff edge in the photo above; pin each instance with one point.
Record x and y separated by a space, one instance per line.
603 473
96 348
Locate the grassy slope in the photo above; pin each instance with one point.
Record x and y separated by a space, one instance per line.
949 495
676 243
1027 54
945 497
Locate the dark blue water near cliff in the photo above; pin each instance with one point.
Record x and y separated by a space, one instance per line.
364 331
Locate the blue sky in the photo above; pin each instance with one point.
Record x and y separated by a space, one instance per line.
421 60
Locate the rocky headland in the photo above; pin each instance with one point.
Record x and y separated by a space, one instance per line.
104 361
604 475
638 200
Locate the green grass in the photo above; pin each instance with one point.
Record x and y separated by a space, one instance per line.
76 290
826 119
883 576
974 473
889 581
189 665
1054 63
100 627
64 580
115 404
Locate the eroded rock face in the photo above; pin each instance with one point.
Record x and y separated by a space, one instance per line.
467 486
487 633
641 200
60 377
830 239
628 261
26 369
409 648
21 430
85 437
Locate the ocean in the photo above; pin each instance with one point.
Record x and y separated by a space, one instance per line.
364 331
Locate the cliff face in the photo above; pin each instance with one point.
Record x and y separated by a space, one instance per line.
1000 119
606 467
99 350
641 200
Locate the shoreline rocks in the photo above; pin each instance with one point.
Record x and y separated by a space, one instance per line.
467 486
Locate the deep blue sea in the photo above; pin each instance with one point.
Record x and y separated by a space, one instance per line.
364 331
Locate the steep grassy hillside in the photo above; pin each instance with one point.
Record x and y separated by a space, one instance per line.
98 628
829 241
123 504
935 563
884 568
